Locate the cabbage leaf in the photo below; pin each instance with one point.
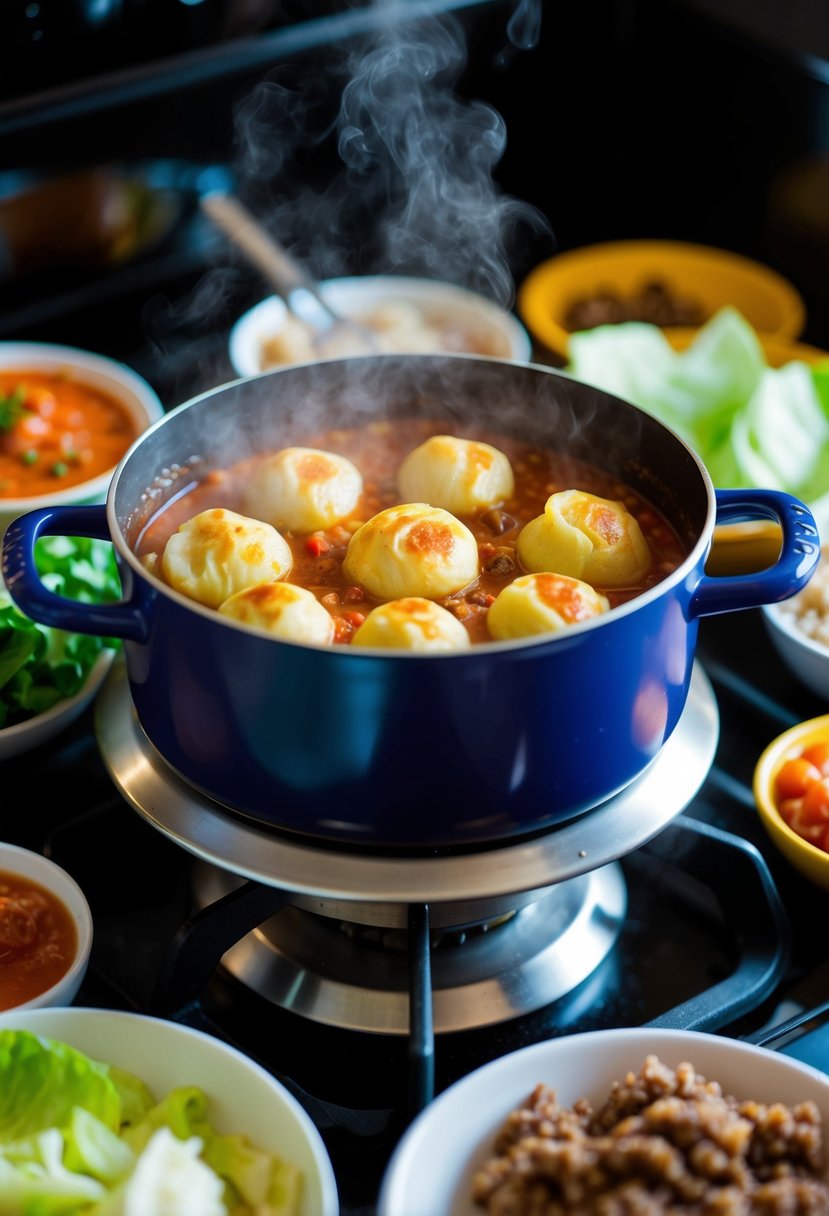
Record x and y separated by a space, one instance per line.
752 425
79 1137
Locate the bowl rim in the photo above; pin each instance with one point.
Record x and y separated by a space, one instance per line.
534 306
783 622
770 759
132 389
242 351
47 873
491 1090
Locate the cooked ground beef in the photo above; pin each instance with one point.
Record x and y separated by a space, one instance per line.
654 302
665 1141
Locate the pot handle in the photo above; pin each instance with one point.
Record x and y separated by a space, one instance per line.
795 565
125 619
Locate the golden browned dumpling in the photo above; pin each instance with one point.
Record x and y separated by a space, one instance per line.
303 489
460 475
412 624
219 552
542 603
586 537
412 549
283 610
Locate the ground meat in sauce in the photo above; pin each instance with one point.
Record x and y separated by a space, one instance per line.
378 449
655 303
664 1142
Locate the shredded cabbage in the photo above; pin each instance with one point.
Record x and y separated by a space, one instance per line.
82 1138
752 425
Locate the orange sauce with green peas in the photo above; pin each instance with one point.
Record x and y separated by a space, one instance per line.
38 940
56 431
801 794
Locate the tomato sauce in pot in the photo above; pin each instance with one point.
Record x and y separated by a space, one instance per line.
378 449
57 431
38 939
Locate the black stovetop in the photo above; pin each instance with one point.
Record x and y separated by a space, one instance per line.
719 934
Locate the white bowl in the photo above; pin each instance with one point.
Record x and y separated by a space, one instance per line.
23 736
805 656
499 331
47 874
99 371
242 1096
432 1167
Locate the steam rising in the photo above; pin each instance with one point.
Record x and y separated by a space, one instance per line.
413 189
408 140
372 163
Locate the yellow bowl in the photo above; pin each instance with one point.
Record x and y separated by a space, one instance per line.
711 277
804 856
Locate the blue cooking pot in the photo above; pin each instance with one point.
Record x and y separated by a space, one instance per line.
384 748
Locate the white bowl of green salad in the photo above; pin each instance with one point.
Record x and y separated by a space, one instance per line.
49 676
127 1112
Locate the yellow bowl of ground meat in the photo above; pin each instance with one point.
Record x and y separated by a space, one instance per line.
546 1116
673 284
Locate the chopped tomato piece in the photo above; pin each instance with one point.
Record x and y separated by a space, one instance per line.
789 809
813 832
817 754
816 803
343 629
795 777
317 544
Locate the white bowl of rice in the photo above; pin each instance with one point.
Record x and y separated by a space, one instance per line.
408 315
799 629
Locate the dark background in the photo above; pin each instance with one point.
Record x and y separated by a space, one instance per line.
701 121
627 118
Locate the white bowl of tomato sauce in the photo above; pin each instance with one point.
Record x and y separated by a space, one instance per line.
67 416
45 931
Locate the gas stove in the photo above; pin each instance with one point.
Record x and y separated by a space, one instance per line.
368 983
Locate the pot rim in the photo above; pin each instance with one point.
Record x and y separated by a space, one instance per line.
477 650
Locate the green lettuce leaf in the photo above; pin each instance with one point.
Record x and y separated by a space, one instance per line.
39 665
169 1177
39 1184
41 1081
265 1183
82 1138
91 1148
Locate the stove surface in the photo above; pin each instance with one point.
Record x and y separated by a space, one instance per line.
716 933
705 925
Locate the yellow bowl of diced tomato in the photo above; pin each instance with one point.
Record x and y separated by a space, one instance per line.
791 790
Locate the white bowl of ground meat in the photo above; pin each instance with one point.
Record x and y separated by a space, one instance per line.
656 1120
